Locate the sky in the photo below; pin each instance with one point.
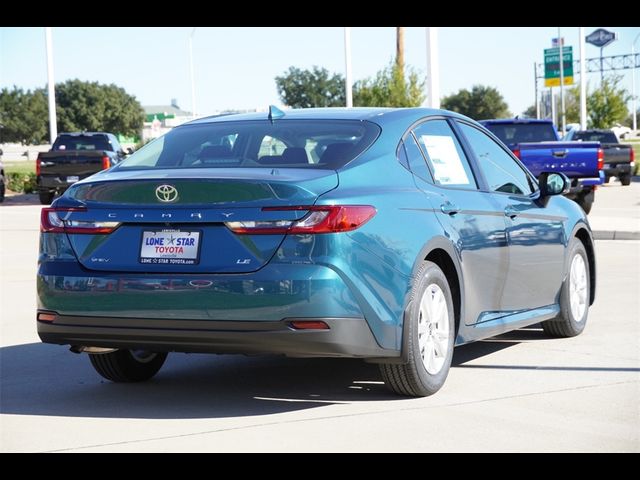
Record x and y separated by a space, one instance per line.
235 66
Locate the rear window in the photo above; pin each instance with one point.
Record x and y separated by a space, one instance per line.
511 134
603 137
82 142
328 144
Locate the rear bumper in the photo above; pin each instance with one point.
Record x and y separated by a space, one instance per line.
615 169
346 337
55 182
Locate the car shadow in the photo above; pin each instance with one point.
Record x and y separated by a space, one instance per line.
20 199
42 379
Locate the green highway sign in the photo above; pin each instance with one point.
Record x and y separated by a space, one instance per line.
552 66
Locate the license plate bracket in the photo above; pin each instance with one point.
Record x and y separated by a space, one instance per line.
170 247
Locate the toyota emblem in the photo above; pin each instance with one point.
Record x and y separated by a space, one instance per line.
167 193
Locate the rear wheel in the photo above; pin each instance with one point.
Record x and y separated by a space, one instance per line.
586 201
2 189
128 365
430 333
574 295
46 197
625 179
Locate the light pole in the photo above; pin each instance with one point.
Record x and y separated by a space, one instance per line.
433 74
563 117
53 126
347 67
193 81
633 84
583 81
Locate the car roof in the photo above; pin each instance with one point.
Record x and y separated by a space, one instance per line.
77 134
377 115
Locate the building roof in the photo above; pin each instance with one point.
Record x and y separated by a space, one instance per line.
162 109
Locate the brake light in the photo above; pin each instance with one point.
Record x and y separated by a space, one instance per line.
516 152
600 159
52 221
106 162
320 219
38 166
633 157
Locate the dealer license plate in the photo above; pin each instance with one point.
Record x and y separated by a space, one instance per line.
170 247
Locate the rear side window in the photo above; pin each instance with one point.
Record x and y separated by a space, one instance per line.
444 155
603 137
328 144
82 142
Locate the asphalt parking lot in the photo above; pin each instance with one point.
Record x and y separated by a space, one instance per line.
518 392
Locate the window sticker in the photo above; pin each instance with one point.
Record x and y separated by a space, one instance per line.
447 164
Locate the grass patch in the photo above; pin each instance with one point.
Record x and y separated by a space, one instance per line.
21 168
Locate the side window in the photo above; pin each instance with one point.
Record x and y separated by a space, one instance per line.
401 155
416 159
501 171
444 154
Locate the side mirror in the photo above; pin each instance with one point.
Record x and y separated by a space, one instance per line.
553 183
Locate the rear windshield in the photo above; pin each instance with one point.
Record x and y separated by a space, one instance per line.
326 144
82 142
511 134
603 137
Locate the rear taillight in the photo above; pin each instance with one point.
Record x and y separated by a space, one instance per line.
516 152
53 220
38 166
320 219
600 159
633 157
106 162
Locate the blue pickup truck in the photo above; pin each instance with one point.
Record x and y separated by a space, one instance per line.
537 144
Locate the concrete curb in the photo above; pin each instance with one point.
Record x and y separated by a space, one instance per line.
615 235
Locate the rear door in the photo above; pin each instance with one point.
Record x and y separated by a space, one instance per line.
470 218
535 232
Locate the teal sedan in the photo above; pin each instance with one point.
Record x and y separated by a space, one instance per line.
390 235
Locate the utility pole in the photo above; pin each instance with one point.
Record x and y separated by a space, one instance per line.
347 67
564 118
535 83
433 73
53 125
633 85
193 80
583 81
400 49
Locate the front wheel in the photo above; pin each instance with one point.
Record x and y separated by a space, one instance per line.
575 295
430 333
128 365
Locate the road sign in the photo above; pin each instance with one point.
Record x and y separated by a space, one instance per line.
601 37
552 66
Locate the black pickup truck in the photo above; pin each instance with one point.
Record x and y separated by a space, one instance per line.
618 157
72 157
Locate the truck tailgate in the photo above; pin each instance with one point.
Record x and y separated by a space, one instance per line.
574 159
71 163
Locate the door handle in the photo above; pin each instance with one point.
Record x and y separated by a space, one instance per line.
560 153
449 208
510 212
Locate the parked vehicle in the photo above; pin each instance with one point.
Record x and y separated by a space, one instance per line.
3 181
389 235
72 157
537 144
618 157
621 131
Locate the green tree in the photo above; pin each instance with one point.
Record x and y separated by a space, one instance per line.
530 112
95 107
390 88
23 116
608 104
311 88
481 103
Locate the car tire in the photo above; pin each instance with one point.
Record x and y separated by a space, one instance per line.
625 179
585 202
46 197
429 337
576 288
126 366
2 190
607 178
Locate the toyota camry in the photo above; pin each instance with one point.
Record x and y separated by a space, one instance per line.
390 235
